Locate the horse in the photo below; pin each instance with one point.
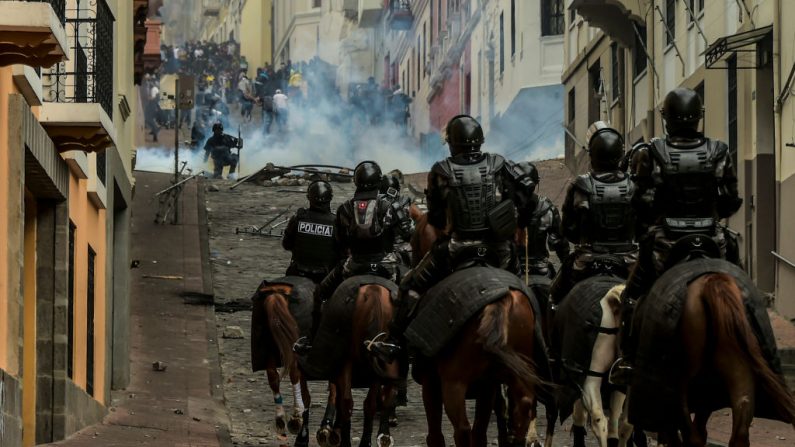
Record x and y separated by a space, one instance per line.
495 340
719 357
371 312
580 379
275 347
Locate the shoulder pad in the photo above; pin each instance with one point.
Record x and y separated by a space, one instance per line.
658 150
718 149
544 204
497 161
442 167
301 213
582 182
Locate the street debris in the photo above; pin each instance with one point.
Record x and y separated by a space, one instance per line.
234 332
171 277
159 366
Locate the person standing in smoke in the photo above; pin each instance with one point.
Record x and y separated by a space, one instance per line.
310 236
219 146
280 106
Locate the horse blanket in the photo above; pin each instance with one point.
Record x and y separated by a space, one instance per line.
573 336
654 393
264 353
451 303
332 343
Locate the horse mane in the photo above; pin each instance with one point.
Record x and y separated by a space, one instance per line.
283 327
724 302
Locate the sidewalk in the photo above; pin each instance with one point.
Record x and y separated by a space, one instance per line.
183 405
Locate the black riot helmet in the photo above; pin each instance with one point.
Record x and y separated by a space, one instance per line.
605 147
528 175
319 194
682 111
218 128
367 176
390 185
463 134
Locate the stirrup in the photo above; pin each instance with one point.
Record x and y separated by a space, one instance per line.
383 349
620 372
302 346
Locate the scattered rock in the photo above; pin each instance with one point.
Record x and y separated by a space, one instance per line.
247 410
213 188
159 366
234 332
196 419
178 411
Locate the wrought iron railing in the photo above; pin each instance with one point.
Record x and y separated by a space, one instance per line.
87 77
101 161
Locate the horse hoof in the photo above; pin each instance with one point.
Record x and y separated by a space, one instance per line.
612 442
302 441
385 440
280 426
294 424
393 422
323 435
334 439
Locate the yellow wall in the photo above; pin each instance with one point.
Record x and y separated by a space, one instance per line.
255 34
6 86
89 230
29 329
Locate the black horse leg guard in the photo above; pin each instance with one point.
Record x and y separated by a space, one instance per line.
578 433
302 439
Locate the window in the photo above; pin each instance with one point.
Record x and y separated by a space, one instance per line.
439 16
513 28
639 60
424 48
732 113
502 44
597 92
616 71
700 90
572 15
552 17
697 7
90 323
70 305
572 104
419 57
316 3
670 21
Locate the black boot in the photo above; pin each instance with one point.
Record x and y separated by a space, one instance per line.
578 434
622 370
304 344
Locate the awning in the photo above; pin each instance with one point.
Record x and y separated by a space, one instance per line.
744 42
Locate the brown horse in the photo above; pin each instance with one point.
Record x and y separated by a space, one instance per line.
283 333
372 312
719 345
494 343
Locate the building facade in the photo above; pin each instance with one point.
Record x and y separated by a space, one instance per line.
622 57
66 141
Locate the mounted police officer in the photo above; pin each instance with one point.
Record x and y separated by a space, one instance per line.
219 146
390 189
598 216
686 183
309 235
541 219
469 197
365 229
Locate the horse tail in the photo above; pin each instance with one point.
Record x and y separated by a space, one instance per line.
493 333
724 302
381 314
283 327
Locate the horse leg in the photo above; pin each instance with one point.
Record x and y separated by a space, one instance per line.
501 411
388 402
522 411
531 439
370 403
484 404
592 401
579 419
453 396
616 409
294 424
740 382
326 425
273 381
552 417
303 403
626 430
432 401
344 407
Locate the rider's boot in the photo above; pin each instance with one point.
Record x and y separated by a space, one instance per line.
304 344
622 370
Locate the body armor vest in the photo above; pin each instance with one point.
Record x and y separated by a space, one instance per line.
314 248
537 228
367 216
610 220
687 183
473 192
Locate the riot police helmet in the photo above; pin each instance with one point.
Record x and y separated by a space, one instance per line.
527 170
390 185
367 176
605 146
682 111
463 134
218 128
319 194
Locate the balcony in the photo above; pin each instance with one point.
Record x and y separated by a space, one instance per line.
400 17
78 94
370 12
32 33
614 17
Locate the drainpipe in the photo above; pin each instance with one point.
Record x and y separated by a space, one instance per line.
779 134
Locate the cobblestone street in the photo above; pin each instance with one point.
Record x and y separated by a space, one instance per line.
239 263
